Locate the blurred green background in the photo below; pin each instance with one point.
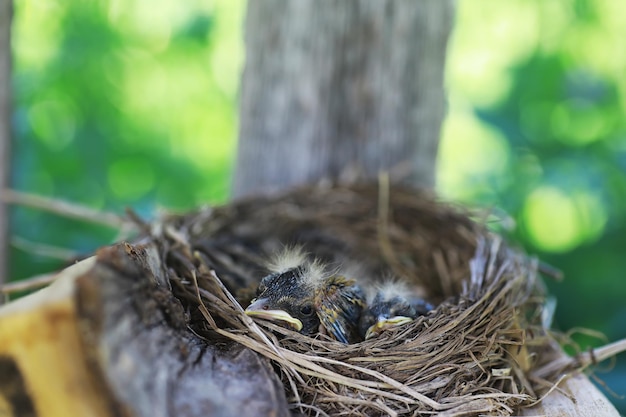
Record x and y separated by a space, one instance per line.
111 90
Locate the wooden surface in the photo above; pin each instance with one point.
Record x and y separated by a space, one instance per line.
353 86
583 399
42 371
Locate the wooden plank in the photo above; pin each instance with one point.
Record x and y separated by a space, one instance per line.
583 399
40 356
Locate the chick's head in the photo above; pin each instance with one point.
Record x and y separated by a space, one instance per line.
288 297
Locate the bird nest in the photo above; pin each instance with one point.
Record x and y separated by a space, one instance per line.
483 349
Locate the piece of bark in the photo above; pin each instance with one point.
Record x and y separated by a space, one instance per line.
109 339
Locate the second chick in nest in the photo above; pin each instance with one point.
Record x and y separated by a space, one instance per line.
390 304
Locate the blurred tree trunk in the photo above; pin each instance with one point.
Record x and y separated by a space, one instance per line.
357 84
5 128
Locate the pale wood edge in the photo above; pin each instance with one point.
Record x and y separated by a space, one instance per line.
583 399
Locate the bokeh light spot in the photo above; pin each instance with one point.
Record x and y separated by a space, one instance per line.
557 222
489 37
551 220
469 153
227 57
578 122
36 46
131 178
592 213
54 122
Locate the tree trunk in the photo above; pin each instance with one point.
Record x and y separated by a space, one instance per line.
5 128
355 85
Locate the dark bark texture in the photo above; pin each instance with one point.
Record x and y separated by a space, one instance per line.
353 87
136 340
5 128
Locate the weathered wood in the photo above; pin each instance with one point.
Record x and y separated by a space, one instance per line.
41 355
5 129
583 400
109 339
356 84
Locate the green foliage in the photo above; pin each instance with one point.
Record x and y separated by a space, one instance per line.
537 129
120 105
544 130
134 104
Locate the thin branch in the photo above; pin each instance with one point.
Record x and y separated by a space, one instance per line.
605 352
582 360
32 283
42 249
63 208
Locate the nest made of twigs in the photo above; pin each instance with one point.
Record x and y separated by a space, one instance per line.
482 350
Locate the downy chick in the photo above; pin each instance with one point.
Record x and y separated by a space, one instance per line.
302 294
389 305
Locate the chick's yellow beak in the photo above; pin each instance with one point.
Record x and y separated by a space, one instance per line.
260 308
385 323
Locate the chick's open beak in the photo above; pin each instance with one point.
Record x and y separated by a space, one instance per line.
385 323
260 308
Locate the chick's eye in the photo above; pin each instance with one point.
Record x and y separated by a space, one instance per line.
306 310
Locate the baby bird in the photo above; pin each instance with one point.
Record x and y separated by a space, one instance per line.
302 294
389 305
